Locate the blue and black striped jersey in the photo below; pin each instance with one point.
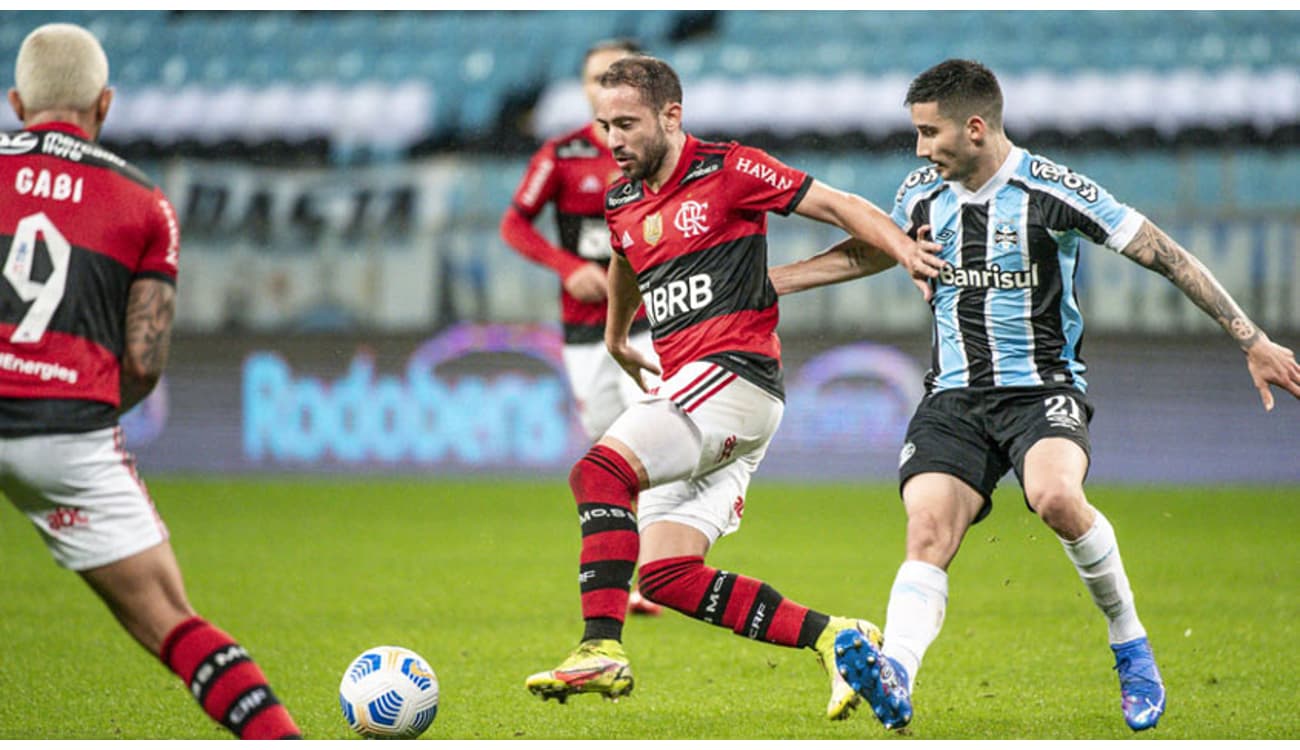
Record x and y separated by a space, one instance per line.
1005 310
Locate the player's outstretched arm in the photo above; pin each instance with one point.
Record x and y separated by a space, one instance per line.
851 258
150 309
624 299
865 222
1268 363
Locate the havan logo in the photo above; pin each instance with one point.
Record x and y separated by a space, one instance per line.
764 173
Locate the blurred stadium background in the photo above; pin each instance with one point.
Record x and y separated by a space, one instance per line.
346 303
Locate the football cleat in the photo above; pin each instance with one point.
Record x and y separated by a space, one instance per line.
596 666
844 699
1141 689
639 605
882 681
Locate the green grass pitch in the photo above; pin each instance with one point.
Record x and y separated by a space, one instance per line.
480 578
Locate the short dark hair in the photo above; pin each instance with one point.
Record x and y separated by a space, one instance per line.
653 78
619 44
961 88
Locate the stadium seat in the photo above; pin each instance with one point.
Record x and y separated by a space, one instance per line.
480 60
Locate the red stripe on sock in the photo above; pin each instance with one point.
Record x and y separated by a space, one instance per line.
610 545
604 477
786 623
742 598
677 582
186 648
271 724
605 603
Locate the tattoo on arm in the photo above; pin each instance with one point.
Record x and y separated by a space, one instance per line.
867 259
150 308
1154 249
149 314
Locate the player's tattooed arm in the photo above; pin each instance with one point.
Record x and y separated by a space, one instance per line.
150 309
851 258
1270 364
1154 249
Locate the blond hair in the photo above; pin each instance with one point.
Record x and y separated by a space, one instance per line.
60 66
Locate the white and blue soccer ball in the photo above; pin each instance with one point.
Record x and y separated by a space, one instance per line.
389 692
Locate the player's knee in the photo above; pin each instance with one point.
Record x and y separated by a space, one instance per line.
931 537
1058 503
673 582
602 472
578 474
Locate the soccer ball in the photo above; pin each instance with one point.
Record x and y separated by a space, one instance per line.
389 692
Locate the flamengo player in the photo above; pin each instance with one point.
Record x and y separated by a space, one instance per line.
90 250
688 226
573 171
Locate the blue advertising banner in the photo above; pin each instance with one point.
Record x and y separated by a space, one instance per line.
493 399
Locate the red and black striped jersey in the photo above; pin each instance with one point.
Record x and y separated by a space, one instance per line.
699 250
78 224
573 171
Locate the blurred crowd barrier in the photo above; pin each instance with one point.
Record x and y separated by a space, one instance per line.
415 246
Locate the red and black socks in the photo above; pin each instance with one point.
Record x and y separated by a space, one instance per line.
748 606
605 487
226 682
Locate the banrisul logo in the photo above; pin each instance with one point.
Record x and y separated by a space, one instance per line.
992 277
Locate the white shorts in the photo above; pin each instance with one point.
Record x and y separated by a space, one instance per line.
601 389
700 437
82 492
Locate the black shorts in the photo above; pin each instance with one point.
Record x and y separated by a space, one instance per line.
976 434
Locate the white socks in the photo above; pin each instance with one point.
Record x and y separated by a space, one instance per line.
916 606
1096 556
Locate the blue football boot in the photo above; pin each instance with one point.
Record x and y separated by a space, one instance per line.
882 681
1142 690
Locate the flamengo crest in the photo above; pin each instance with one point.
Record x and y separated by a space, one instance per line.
691 217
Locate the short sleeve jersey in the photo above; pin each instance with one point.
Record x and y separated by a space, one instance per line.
1005 312
573 171
78 225
699 251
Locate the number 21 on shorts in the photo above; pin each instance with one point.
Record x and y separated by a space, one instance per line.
1063 410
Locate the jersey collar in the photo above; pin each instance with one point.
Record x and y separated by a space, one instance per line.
62 127
679 171
995 183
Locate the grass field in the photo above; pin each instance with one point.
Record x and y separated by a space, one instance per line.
479 577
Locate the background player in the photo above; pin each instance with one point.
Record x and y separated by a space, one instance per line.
573 171
1006 387
689 229
90 259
